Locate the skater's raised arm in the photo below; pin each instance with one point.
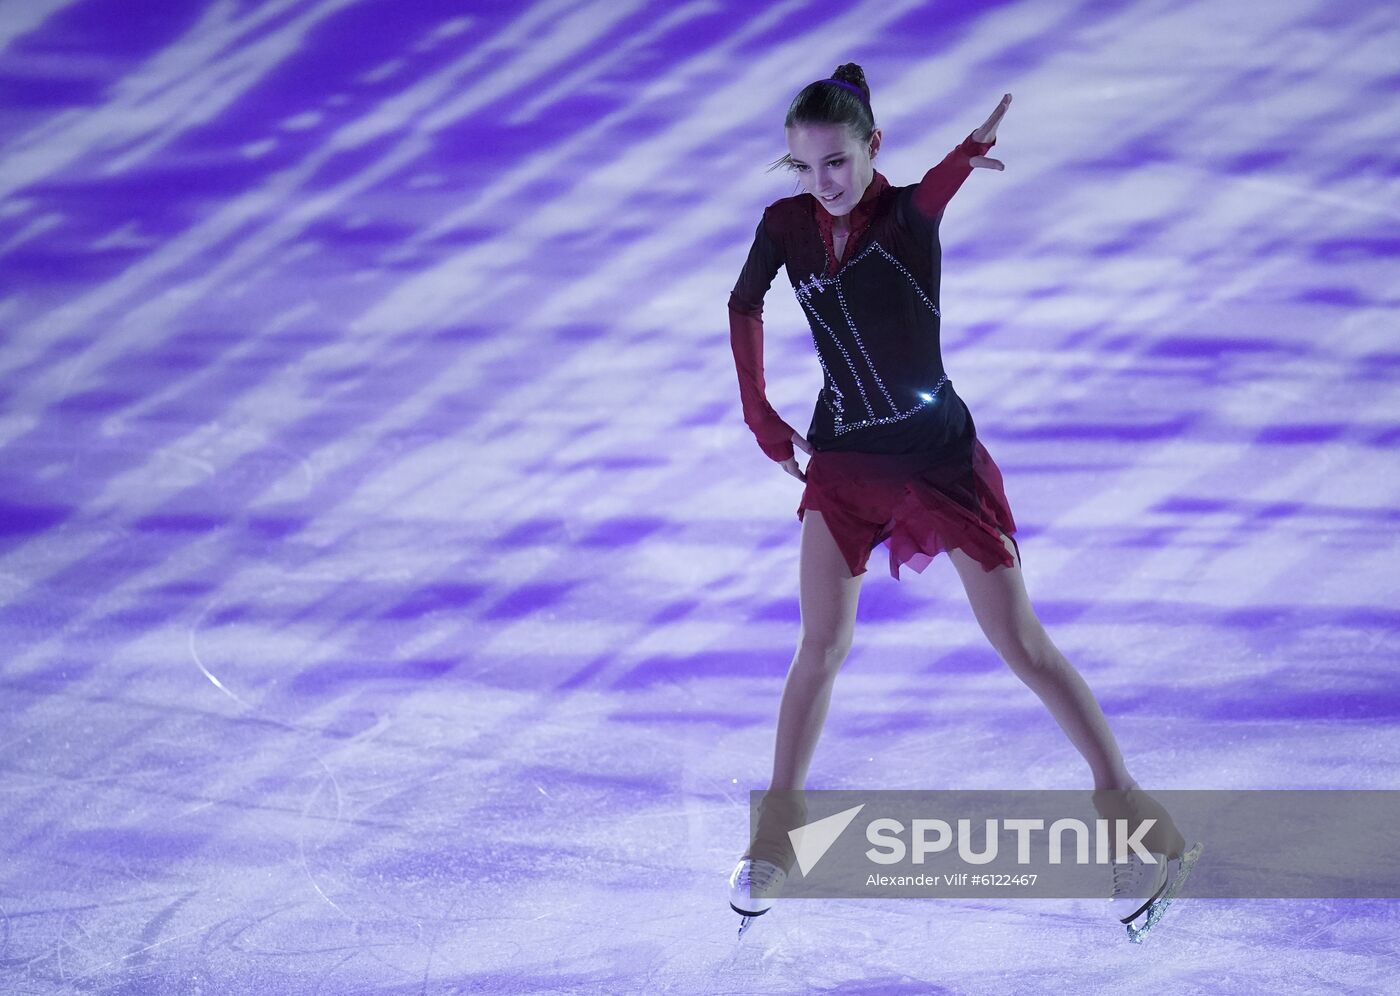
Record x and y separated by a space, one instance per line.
746 341
941 182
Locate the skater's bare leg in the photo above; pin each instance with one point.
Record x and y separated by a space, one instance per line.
1003 610
827 596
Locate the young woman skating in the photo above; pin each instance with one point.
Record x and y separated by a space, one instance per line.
894 458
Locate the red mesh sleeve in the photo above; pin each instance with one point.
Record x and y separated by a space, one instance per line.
746 341
940 183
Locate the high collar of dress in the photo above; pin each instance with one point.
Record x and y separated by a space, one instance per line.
859 221
860 214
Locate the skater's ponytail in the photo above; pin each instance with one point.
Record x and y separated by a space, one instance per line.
842 99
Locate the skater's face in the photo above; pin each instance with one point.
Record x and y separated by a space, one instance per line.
833 164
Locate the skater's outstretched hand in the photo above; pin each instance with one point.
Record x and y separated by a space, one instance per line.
988 133
790 464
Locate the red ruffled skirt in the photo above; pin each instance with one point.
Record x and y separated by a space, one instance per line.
920 503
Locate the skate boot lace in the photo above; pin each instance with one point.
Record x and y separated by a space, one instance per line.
763 875
1126 876
1137 884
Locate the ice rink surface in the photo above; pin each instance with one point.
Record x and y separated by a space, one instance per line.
393 600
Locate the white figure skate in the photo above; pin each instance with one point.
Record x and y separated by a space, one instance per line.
1142 892
753 887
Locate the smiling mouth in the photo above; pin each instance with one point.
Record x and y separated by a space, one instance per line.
832 197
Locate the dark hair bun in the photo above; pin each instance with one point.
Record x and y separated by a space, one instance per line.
850 72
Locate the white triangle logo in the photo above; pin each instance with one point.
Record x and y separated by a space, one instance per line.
813 840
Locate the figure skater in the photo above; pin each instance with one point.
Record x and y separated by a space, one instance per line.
895 458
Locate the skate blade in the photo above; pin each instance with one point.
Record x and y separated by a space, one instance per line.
746 918
1144 907
1158 908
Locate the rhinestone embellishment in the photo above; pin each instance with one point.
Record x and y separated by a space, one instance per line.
814 284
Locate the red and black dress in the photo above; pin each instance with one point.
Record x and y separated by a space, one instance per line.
895 451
